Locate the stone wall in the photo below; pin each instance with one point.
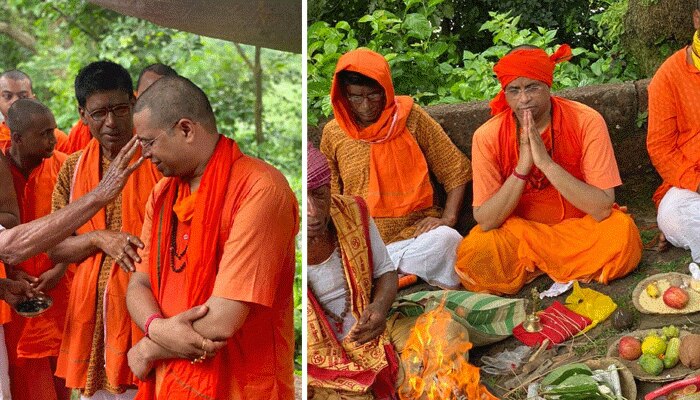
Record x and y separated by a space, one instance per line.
622 105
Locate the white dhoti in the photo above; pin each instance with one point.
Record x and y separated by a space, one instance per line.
105 395
431 256
679 220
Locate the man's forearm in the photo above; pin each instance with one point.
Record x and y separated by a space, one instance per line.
593 201
139 299
453 203
75 249
494 211
26 240
384 292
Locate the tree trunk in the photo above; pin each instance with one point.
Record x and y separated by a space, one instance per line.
655 30
259 135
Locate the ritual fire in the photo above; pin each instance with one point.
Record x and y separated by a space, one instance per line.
436 361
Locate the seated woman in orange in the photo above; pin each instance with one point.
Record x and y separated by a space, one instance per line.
383 147
544 179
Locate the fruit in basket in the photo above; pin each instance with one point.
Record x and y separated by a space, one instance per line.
670 331
695 284
629 348
653 345
672 353
651 364
690 351
676 297
653 290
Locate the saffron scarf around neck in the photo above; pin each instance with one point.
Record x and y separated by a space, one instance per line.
399 182
565 147
180 376
82 305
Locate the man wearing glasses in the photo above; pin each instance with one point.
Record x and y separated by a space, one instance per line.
383 147
97 334
544 179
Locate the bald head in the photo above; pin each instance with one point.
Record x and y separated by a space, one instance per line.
16 75
14 85
151 74
22 112
172 98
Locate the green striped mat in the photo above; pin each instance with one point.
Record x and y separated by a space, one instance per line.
488 318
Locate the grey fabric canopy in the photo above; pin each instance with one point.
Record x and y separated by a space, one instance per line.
274 24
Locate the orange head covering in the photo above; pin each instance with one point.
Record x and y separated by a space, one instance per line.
528 63
396 187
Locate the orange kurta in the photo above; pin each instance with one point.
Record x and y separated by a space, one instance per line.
119 332
673 138
239 246
546 233
61 138
31 341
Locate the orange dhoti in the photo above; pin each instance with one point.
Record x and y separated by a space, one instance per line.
503 260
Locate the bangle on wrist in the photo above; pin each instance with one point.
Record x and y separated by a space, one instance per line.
150 319
520 176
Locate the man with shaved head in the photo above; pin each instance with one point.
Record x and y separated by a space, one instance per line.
33 343
213 291
15 85
151 74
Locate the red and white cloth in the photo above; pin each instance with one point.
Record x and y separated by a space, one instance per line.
558 325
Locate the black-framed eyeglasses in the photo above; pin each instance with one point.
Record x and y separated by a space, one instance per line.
360 98
528 90
119 110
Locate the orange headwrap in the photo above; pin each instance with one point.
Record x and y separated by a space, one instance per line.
528 63
399 182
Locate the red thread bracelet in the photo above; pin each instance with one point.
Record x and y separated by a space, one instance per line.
520 176
148 322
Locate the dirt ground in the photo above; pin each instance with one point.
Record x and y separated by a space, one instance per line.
599 338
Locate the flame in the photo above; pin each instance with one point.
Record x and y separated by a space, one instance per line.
436 361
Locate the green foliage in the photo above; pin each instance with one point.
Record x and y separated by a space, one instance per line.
462 18
70 34
427 66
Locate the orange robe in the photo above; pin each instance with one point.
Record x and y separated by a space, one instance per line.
546 233
31 341
240 247
78 138
673 138
119 332
61 138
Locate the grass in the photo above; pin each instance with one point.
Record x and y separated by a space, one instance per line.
678 265
597 346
